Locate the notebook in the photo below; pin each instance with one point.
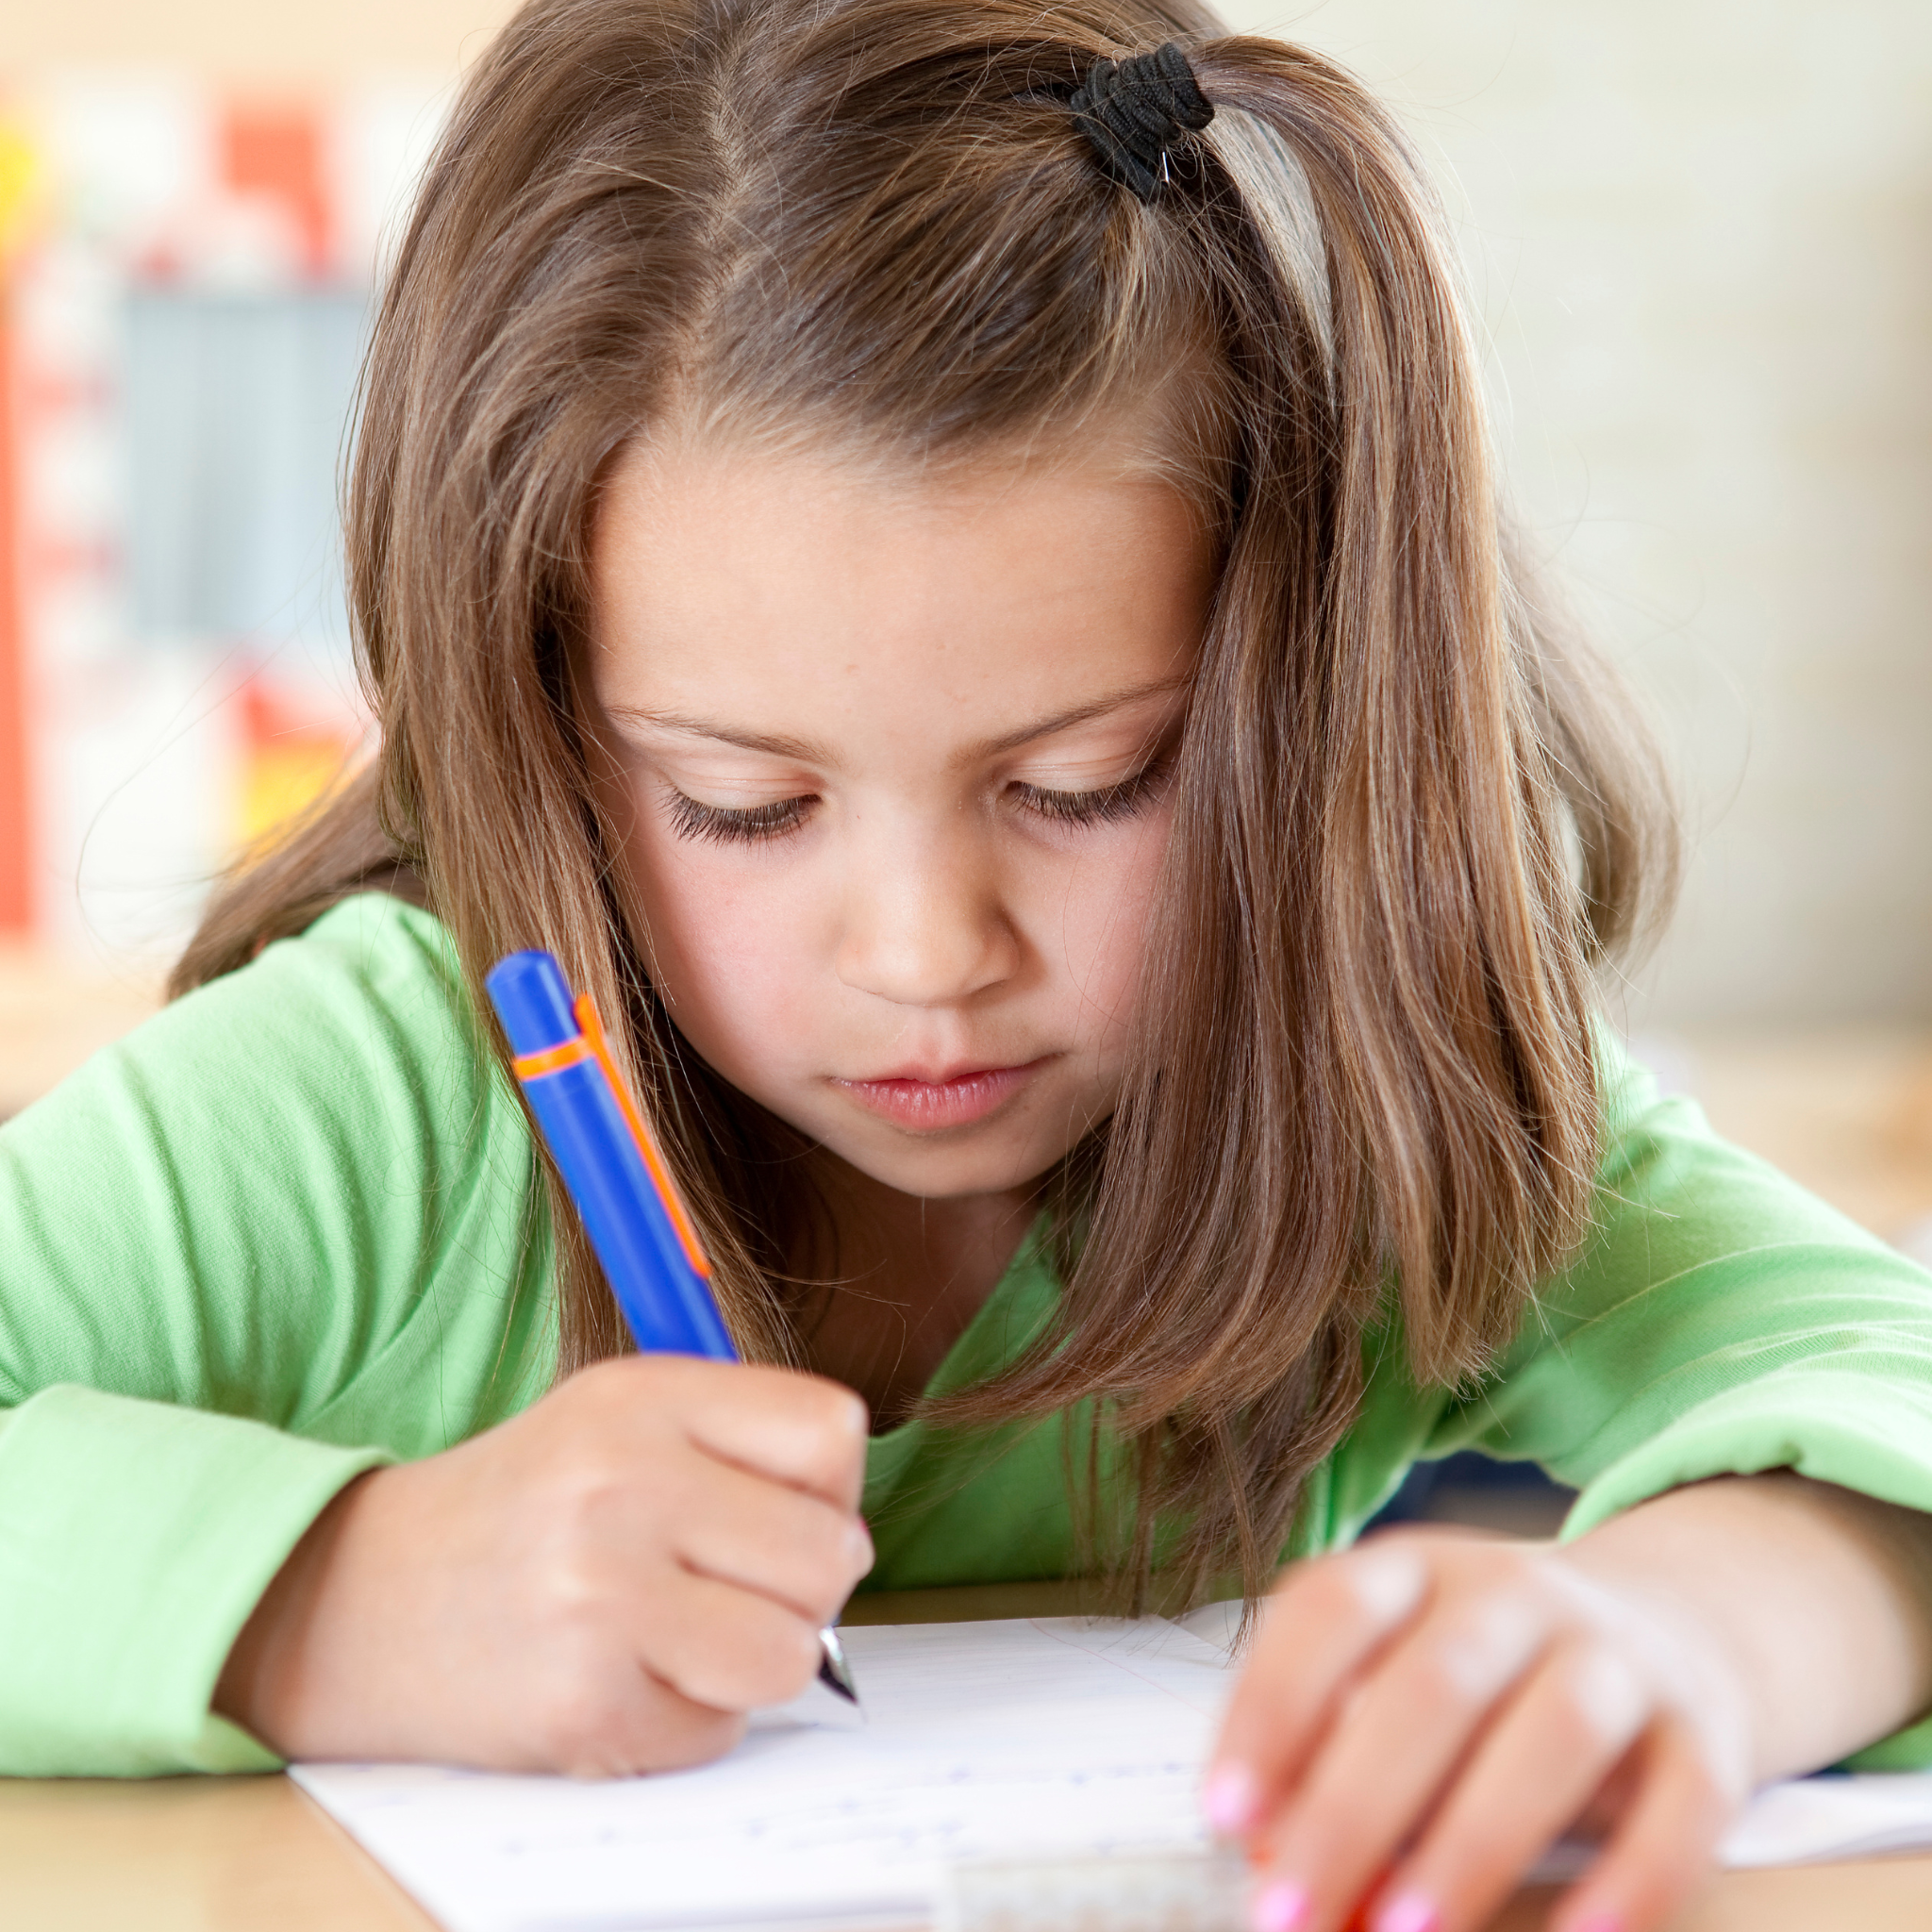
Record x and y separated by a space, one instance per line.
1050 1739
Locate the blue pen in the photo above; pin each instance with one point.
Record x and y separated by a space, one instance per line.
649 1249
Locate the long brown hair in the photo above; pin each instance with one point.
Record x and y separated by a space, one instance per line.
1408 821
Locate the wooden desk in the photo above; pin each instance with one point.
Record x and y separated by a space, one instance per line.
253 1855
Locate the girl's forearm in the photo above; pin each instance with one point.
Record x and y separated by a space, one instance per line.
1818 1599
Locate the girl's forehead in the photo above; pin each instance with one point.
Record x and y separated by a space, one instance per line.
715 570
658 489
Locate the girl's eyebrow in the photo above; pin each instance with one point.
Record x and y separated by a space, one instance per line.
801 749
808 752
1077 714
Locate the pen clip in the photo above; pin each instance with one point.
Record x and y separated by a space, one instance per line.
586 1010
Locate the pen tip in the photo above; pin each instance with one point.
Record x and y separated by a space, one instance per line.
834 1672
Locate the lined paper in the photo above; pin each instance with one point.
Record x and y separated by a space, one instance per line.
1054 1738
1051 1737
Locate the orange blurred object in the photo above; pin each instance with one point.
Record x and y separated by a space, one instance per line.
276 152
290 759
16 899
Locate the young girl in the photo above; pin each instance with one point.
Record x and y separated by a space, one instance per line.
959 587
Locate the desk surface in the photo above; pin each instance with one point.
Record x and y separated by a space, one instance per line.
253 1855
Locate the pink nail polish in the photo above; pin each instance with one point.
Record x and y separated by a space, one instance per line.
1408 1911
1279 1907
1230 1800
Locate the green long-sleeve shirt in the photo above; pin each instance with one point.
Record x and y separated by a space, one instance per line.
277 1236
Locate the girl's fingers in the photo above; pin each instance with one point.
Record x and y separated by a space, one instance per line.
1455 1710
1664 1846
1571 1723
781 1543
727 1648
1379 1776
622 1723
1320 1628
798 1430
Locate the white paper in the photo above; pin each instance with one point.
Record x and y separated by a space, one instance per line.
1053 1738
1812 1820
1056 1737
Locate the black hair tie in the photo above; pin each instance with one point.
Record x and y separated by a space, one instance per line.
1134 112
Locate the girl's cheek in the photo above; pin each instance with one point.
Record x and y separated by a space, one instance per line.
745 954
732 954
1105 904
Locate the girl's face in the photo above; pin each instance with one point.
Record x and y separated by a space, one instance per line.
892 762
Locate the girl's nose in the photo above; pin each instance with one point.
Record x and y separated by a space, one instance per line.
925 927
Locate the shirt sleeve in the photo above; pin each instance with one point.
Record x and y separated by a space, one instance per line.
279 1236
1719 1320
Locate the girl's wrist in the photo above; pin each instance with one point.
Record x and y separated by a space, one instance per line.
1802 1605
1693 1657
271 1662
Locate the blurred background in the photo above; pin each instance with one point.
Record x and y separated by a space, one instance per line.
1698 238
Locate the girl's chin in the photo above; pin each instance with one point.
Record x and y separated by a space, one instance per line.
957 1164
942 1180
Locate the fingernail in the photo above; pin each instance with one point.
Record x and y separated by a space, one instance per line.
1229 1799
1279 1908
1408 1911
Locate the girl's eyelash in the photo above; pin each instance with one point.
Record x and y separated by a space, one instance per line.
724 825
1103 806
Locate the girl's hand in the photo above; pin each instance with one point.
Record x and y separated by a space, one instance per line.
1422 1717
604 1585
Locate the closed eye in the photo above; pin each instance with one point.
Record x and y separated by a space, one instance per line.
721 825
1105 805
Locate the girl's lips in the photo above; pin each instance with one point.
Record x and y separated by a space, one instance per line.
926 1106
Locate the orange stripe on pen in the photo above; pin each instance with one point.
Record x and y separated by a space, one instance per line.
586 1011
552 1059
